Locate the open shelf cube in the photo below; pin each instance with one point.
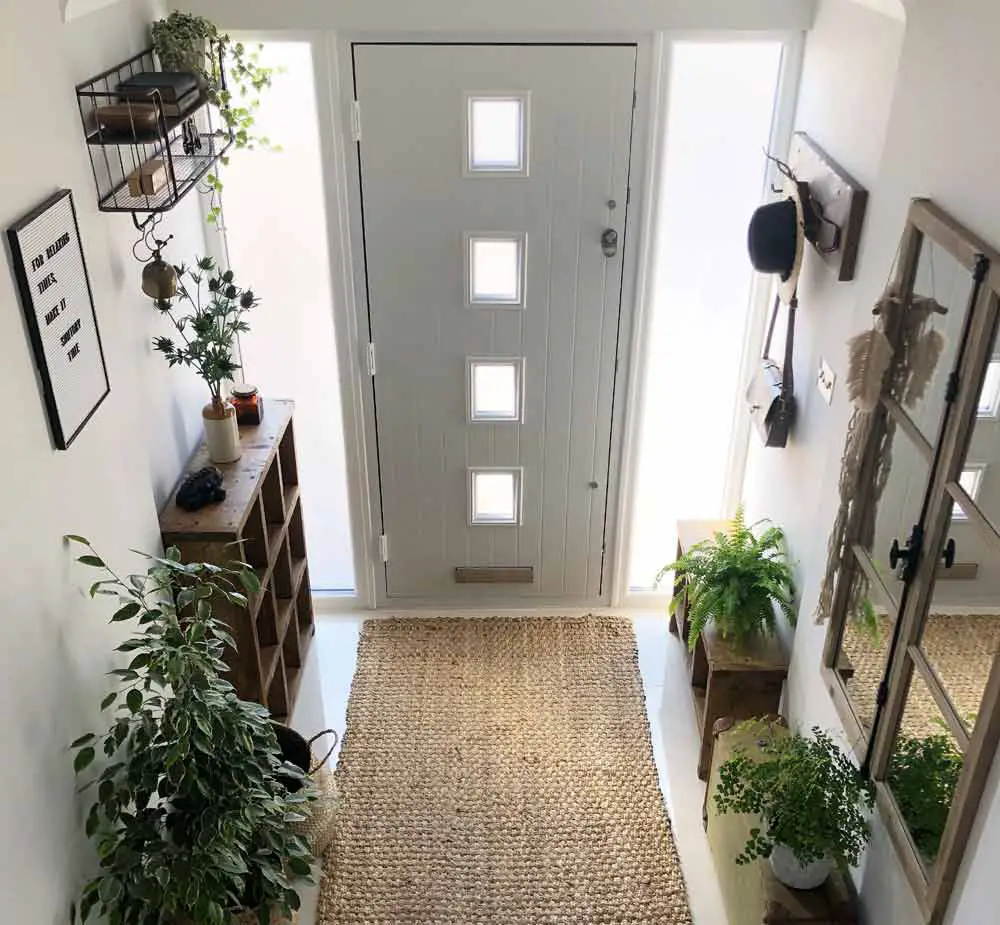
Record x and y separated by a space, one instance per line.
262 516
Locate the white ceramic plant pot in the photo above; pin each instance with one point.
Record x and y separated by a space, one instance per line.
221 432
798 876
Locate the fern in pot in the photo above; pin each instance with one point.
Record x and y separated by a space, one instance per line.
192 816
812 803
734 579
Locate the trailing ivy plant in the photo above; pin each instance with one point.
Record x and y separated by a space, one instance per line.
208 331
192 820
923 775
734 579
186 42
807 793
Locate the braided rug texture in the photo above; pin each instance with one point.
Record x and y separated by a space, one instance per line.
500 772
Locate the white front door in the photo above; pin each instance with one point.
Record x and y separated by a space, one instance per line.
489 174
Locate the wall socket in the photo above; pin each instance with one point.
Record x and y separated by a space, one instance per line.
825 380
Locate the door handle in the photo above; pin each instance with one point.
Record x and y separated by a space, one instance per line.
949 554
609 242
903 559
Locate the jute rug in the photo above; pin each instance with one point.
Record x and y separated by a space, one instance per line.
500 772
959 648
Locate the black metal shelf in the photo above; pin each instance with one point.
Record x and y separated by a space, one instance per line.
114 157
186 170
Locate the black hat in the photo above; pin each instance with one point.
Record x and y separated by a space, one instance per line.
776 238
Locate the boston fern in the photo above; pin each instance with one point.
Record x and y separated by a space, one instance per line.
192 820
807 793
210 328
733 579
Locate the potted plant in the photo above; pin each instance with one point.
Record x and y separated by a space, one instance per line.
733 581
208 331
810 799
192 820
923 776
186 42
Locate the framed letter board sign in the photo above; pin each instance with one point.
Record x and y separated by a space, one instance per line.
59 307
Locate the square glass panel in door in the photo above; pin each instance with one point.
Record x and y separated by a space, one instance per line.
494 496
494 388
497 134
924 768
495 270
933 327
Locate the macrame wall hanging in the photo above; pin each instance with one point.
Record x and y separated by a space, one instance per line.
897 356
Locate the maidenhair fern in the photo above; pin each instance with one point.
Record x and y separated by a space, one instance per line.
734 579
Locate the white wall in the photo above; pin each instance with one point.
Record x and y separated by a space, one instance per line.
928 139
54 642
477 16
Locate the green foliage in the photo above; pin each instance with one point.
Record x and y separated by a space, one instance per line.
733 579
210 328
191 820
185 42
866 621
806 792
923 775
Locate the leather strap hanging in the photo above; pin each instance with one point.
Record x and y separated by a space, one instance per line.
771 394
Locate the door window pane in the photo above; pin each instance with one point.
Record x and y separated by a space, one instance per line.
496 269
989 397
494 390
494 496
497 133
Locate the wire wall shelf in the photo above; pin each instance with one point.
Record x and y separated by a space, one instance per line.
188 142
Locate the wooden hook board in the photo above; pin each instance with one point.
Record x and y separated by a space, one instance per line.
842 199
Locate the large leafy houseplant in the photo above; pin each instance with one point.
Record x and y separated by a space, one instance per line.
192 817
186 42
733 580
215 316
806 792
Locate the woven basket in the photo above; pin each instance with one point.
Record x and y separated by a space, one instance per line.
320 827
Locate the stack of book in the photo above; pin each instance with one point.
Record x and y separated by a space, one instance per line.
179 91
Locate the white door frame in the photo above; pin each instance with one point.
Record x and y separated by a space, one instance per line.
332 62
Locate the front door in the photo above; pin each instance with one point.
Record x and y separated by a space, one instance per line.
494 183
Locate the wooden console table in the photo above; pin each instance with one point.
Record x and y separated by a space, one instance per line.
262 516
752 894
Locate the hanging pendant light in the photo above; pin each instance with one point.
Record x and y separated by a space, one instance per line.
159 279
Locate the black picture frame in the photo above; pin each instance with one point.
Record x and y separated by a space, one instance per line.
54 286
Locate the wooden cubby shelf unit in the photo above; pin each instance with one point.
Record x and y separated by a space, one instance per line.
261 522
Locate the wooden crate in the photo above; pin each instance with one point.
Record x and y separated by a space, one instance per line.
261 522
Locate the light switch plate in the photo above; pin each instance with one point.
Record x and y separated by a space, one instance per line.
825 380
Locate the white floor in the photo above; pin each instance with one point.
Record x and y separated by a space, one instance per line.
326 686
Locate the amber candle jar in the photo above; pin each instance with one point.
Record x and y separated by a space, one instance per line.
249 407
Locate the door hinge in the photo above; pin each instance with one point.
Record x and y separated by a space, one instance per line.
383 548
635 98
371 359
355 121
628 195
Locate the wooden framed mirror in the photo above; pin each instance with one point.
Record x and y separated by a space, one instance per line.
911 654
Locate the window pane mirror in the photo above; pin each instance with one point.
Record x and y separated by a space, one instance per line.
914 605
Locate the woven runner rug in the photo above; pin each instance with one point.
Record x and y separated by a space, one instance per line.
500 772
